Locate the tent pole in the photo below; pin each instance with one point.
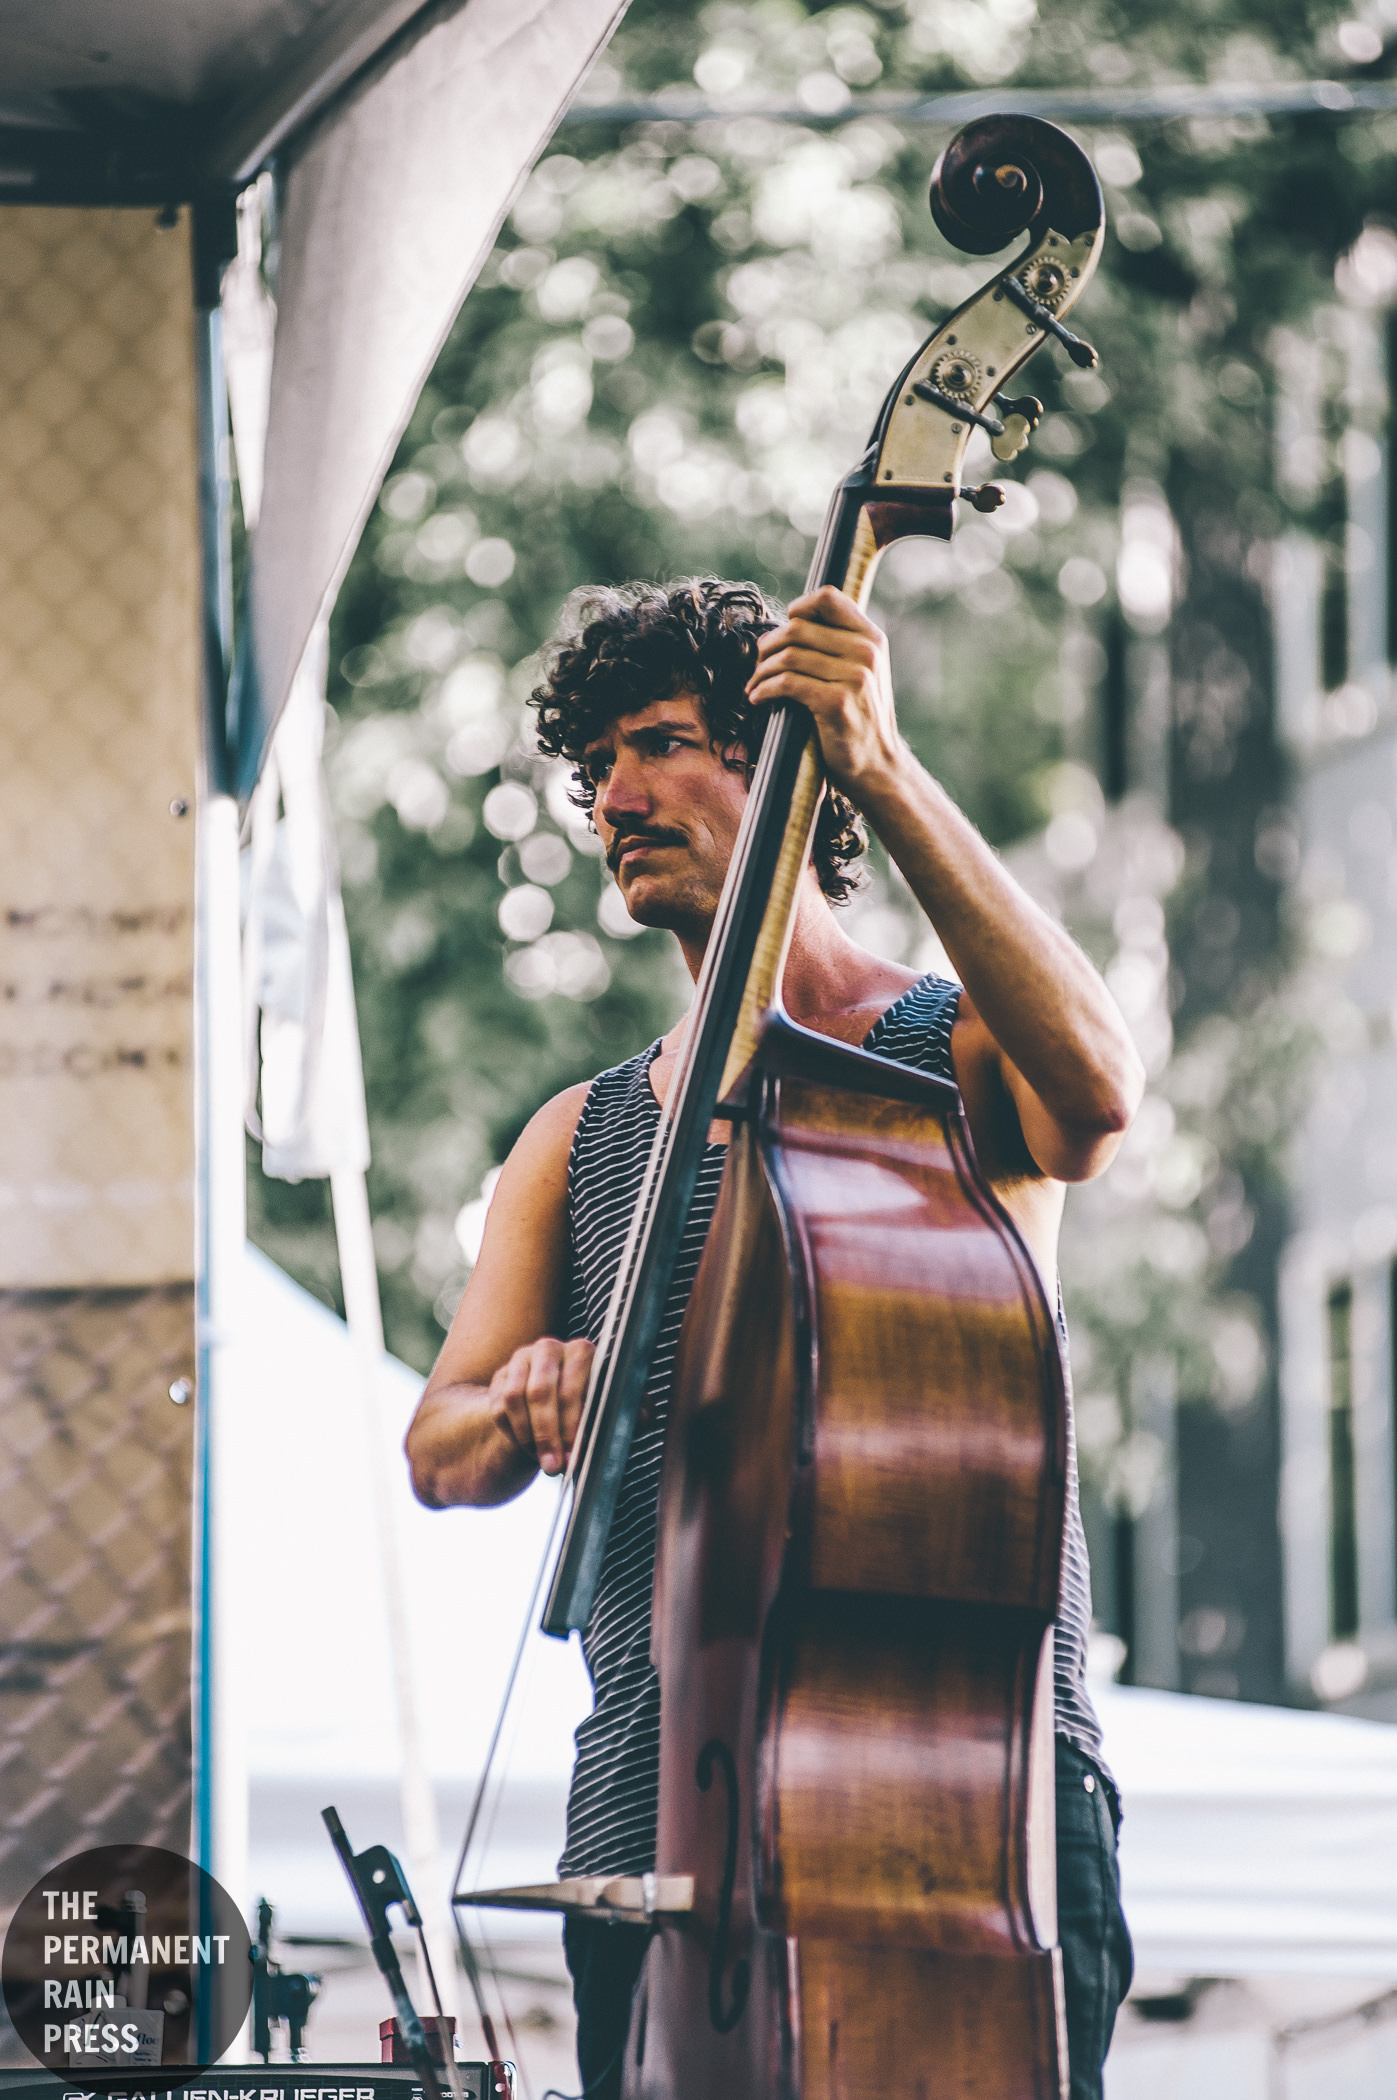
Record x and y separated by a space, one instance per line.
220 1759
364 1318
318 1127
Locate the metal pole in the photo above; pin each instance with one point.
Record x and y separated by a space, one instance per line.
364 1318
1065 104
329 1135
220 1765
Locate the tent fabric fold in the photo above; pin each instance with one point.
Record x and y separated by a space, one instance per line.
302 1033
388 213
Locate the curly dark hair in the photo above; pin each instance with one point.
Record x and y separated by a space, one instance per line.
622 649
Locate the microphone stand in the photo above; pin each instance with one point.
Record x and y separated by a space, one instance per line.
378 1880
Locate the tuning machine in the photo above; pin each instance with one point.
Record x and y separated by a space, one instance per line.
960 409
1008 432
1042 317
1021 418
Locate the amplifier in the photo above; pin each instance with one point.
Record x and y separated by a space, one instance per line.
263 2082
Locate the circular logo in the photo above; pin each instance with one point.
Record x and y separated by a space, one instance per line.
127 1969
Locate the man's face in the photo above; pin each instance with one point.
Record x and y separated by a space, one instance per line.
668 807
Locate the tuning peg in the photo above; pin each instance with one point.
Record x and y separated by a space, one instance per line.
1021 419
961 410
1080 353
985 499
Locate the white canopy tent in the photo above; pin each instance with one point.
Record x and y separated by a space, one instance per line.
1257 1841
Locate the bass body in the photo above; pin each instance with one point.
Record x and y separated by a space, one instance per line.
860 1535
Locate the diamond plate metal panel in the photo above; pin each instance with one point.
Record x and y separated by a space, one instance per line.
99 681
96 1471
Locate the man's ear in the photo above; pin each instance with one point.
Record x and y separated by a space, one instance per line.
738 759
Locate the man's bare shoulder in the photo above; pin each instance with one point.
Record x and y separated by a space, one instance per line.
549 1133
533 1181
513 1295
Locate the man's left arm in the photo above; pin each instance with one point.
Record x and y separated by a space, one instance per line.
1037 1006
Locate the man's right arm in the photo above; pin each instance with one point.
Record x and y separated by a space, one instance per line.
504 1396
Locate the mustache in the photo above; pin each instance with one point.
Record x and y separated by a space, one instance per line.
631 834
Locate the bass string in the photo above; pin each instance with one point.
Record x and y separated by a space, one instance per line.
633 1251
638 1234
642 1221
657 1166
756 814
855 574
623 1289
637 1237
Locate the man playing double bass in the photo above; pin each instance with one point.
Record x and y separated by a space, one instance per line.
656 696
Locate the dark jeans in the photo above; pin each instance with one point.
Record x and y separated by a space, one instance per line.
1097 1961
605 1964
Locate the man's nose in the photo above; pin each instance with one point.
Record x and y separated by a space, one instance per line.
624 795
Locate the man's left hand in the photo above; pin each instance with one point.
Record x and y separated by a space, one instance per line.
834 661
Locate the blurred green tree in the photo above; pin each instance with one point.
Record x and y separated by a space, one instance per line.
674 352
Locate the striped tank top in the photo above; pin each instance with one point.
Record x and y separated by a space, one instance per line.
613 1802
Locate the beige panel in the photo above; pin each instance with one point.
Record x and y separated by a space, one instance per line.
99 634
96 1470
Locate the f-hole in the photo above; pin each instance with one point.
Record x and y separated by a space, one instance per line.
716 1752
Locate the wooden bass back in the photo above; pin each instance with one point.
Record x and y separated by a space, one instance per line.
860 1538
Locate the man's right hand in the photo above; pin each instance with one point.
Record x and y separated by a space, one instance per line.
536 1398
504 1397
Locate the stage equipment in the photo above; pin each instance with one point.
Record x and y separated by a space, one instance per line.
277 1994
379 1882
441 2040
334 2081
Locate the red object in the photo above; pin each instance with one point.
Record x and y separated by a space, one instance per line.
393 2049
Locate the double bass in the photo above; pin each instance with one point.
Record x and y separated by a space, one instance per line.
862 1502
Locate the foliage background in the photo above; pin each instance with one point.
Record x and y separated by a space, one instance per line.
673 354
